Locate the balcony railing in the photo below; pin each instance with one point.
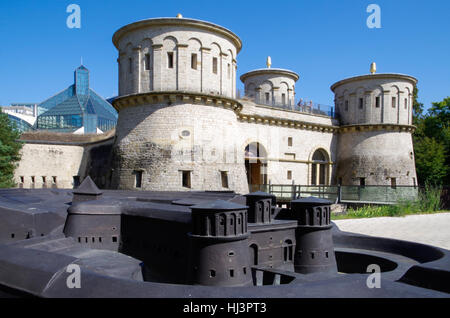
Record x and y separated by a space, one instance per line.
300 106
341 194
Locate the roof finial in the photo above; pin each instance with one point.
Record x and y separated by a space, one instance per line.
269 62
373 68
179 16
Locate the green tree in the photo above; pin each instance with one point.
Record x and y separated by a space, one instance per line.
432 141
430 161
9 151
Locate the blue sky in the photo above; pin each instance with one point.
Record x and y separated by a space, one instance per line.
322 40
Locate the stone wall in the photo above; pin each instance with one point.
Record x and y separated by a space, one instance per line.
55 164
146 47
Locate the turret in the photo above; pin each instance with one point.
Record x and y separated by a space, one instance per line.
261 207
219 245
271 86
375 142
314 250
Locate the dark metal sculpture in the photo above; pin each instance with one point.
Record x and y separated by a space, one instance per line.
199 244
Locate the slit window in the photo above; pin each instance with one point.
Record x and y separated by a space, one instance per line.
361 103
283 99
267 97
54 179
362 182
224 177
394 101
289 175
214 65
212 273
32 179
289 141
22 179
147 62
231 272
44 179
194 61
186 179
229 71
130 65
377 102
346 105
170 59
137 179
406 103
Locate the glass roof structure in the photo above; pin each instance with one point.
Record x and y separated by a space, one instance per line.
77 107
20 124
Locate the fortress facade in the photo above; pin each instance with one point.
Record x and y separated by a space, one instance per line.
182 125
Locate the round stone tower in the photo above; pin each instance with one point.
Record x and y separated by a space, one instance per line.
375 141
271 86
177 112
219 245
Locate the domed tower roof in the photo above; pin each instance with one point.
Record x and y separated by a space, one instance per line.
179 21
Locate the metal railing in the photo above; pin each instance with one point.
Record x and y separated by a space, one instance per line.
341 194
300 106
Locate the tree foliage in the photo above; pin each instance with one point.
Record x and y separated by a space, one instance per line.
432 141
9 151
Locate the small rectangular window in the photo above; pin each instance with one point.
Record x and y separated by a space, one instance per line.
377 102
361 103
346 105
283 99
289 175
137 179
362 182
54 179
406 103
289 141
147 62
224 177
194 61
267 97
44 179
130 65
76 181
32 179
231 272
170 59
393 183
394 102
186 179
22 179
215 65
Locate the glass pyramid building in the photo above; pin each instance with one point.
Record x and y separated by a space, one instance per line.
77 109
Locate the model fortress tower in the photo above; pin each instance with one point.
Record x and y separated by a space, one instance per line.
375 143
177 112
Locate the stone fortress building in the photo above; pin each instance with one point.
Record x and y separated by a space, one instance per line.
182 125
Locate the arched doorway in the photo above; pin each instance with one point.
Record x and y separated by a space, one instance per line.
320 168
256 166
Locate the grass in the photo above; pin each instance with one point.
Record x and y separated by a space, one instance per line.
429 201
